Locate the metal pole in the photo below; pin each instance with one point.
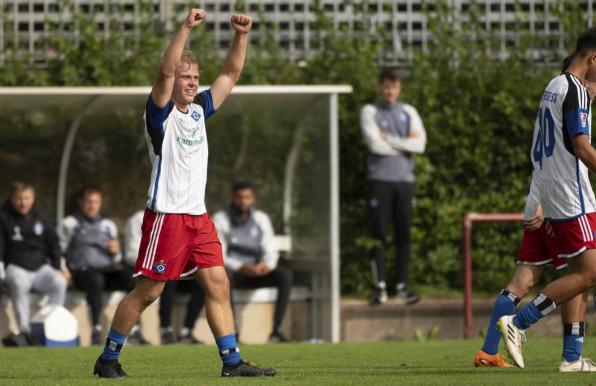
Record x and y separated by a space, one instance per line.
334 220
65 160
469 219
467 277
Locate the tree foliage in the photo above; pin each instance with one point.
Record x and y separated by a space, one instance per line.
477 102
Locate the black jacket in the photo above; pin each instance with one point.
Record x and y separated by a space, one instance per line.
28 241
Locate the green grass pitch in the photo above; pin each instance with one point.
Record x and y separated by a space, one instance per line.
384 363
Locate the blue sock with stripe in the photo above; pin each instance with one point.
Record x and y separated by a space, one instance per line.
538 308
573 341
114 343
228 349
505 305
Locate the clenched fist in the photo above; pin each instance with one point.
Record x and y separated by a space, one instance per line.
195 18
241 23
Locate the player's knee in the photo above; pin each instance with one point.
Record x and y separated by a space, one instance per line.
590 277
218 288
146 296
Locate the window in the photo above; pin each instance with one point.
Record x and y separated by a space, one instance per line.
23 27
298 7
38 7
23 7
98 8
254 7
85 8
402 7
284 7
495 7
224 7
210 26
38 26
269 7
53 8
299 26
284 26
417 26
224 26
224 44
129 8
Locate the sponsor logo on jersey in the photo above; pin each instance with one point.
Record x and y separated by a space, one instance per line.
159 267
196 116
190 142
583 117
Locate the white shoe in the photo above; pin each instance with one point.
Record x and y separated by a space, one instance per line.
514 339
583 365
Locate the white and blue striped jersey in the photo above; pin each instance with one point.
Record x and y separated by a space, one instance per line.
561 178
178 150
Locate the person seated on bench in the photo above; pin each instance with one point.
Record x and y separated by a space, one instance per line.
30 251
250 256
90 242
132 237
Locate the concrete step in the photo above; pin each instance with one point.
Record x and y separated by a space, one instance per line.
362 322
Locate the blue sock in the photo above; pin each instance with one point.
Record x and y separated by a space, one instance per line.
573 341
534 311
114 344
228 349
505 305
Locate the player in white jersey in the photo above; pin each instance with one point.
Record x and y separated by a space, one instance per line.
562 155
178 238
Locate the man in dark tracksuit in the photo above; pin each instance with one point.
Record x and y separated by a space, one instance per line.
393 132
30 251
250 257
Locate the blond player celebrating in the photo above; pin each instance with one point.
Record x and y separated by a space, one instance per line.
178 238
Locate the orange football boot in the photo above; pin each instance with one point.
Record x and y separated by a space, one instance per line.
486 360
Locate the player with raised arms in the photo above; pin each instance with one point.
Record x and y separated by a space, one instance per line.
561 155
178 238
534 255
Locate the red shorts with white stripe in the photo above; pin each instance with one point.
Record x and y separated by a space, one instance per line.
536 249
177 245
571 238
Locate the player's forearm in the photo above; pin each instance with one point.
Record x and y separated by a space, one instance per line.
234 62
170 59
588 156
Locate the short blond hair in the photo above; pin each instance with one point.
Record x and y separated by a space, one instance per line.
188 57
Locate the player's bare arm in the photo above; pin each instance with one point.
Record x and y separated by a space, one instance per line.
234 63
536 221
164 83
585 152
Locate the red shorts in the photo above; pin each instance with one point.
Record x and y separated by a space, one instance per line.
537 249
573 237
177 245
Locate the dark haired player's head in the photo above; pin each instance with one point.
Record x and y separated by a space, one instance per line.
90 201
389 85
243 197
583 64
22 197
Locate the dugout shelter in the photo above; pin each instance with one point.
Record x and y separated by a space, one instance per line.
283 139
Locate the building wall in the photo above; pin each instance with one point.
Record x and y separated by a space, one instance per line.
26 22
